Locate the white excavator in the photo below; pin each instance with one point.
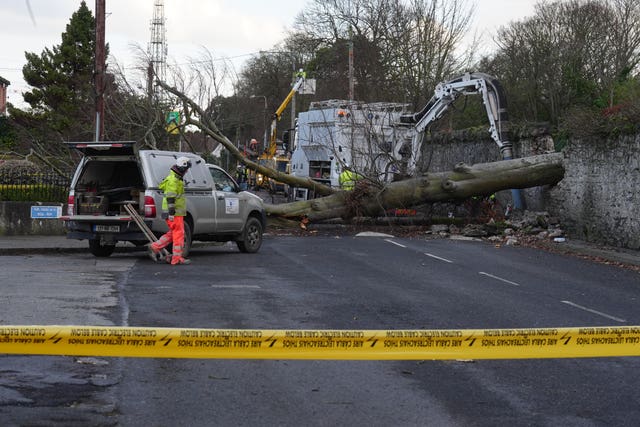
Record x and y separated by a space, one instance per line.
445 94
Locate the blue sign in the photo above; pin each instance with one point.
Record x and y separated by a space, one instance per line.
46 211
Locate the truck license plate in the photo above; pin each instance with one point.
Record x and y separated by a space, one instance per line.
107 228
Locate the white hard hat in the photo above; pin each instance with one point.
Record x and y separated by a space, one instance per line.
183 162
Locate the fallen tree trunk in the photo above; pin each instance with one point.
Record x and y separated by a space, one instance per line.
462 182
372 199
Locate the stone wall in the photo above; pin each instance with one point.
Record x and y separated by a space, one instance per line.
597 201
15 220
599 198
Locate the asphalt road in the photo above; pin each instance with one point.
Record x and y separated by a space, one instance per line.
333 282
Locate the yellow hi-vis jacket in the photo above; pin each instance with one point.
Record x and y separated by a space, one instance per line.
347 180
173 188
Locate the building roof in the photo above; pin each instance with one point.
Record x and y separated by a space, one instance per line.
315 152
4 81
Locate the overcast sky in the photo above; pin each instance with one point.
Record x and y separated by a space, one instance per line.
226 28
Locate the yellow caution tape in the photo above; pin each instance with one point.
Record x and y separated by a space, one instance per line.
439 344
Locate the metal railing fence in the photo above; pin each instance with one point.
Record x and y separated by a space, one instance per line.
29 186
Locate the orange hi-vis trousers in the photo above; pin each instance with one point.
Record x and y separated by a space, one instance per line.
174 236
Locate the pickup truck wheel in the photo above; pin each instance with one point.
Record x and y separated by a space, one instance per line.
251 236
100 250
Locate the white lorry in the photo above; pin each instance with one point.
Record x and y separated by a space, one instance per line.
336 133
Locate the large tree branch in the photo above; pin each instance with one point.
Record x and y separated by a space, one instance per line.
206 125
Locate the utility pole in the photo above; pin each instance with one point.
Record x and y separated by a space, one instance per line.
351 94
99 69
293 100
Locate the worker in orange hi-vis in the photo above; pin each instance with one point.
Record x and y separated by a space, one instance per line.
174 209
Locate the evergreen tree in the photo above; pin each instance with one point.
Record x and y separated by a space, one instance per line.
62 79
7 134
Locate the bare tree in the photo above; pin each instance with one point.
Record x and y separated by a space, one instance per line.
137 111
132 114
424 43
409 46
570 53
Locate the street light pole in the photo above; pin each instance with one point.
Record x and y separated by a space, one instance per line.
264 119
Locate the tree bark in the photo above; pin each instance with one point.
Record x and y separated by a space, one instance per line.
462 182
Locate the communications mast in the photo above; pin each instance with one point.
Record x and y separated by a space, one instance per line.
157 49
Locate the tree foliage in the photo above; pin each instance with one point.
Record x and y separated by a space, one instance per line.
61 78
61 97
7 134
570 55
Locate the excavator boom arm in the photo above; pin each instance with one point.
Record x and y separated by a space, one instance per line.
446 93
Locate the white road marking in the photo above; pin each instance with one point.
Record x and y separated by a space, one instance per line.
427 254
499 278
438 258
372 234
236 286
599 313
395 243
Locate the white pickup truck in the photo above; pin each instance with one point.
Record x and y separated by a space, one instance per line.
112 174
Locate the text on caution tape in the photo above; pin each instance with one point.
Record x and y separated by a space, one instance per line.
321 344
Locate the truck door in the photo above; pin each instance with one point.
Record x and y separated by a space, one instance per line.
198 188
229 216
